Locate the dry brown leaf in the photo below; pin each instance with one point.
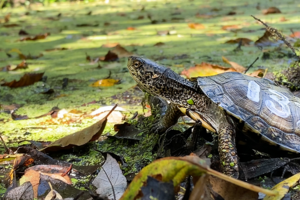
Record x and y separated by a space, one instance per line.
110 56
234 65
159 44
206 69
121 51
196 26
36 37
230 27
245 41
131 28
230 191
110 45
295 34
271 10
257 73
26 79
81 137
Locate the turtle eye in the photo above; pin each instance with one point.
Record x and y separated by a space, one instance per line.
136 64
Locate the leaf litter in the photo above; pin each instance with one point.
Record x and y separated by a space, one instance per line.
123 53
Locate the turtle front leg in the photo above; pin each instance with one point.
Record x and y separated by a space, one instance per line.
227 151
167 120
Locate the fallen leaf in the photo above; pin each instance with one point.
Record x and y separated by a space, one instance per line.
130 28
110 45
259 73
175 169
271 10
283 187
245 41
234 65
110 181
34 178
10 25
36 37
205 69
26 79
57 49
266 40
159 44
230 191
22 65
108 82
295 34
230 27
110 56
196 26
87 25
121 51
24 191
6 18
23 33
81 137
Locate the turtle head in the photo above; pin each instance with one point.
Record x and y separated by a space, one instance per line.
146 73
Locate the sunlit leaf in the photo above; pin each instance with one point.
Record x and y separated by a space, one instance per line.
196 26
234 65
26 79
81 137
205 69
230 27
105 82
283 187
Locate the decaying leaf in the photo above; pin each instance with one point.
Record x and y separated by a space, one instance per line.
110 182
231 191
259 73
110 45
245 41
266 40
230 27
196 26
159 44
26 79
108 82
81 137
283 187
24 191
36 37
271 10
131 28
295 34
234 65
121 51
110 56
57 49
205 69
176 169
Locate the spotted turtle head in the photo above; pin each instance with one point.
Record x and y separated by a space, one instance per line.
148 74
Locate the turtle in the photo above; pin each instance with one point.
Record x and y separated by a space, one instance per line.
222 103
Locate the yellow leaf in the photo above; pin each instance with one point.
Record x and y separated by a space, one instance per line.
206 69
236 66
283 187
105 82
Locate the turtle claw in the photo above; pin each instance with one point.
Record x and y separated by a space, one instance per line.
158 128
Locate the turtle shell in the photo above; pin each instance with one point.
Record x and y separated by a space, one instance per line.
269 110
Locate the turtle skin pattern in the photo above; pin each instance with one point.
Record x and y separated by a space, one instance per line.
269 110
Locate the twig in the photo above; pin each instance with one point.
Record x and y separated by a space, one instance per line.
110 184
251 65
5 147
275 33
